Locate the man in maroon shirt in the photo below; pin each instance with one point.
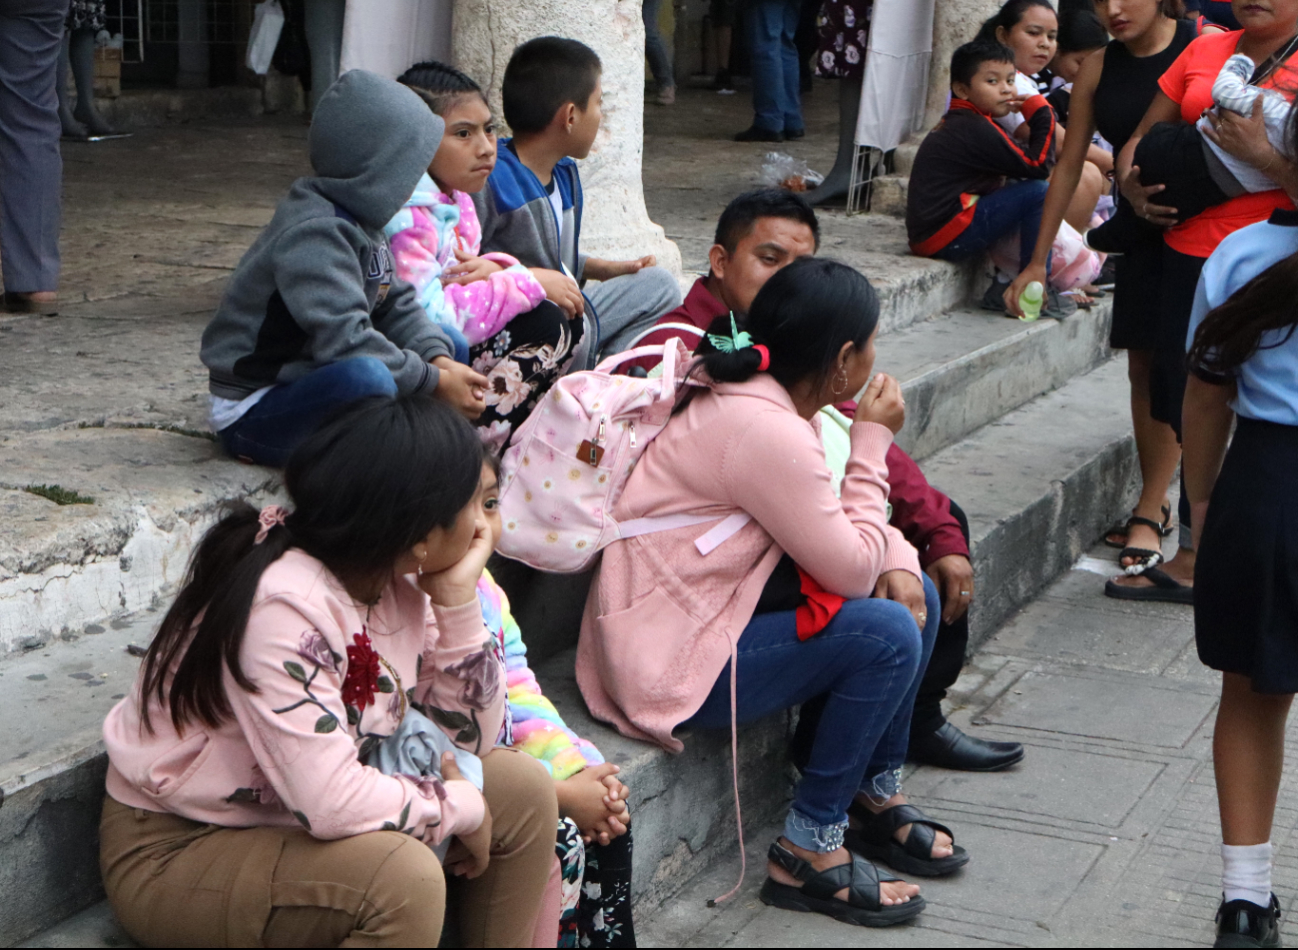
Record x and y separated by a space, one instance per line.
758 233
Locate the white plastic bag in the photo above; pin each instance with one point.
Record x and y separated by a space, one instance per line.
784 171
267 22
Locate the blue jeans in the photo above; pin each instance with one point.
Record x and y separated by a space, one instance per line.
286 415
869 662
777 101
660 64
1016 207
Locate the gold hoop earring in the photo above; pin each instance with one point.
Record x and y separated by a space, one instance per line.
839 384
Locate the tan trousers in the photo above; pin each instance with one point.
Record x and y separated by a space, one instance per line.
177 883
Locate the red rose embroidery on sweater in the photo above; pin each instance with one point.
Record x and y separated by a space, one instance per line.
362 679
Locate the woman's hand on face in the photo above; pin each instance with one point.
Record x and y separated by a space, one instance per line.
1139 195
458 584
882 402
1243 137
906 589
469 853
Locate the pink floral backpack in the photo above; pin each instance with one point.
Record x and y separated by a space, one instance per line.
572 457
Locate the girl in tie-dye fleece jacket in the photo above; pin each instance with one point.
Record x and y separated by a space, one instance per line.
434 232
493 307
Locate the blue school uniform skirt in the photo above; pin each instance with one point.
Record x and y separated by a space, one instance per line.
1246 575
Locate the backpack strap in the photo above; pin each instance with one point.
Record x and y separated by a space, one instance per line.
723 531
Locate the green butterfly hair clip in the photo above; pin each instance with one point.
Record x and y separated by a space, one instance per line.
738 339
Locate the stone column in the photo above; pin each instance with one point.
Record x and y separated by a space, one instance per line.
954 23
615 223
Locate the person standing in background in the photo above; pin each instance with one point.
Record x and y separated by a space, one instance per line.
31 168
655 50
777 102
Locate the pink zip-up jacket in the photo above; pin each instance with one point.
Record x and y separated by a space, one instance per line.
662 619
332 681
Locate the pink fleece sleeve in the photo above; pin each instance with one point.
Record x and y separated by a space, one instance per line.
484 307
461 683
296 726
776 472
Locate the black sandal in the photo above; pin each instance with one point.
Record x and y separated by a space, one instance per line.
876 840
1164 588
863 906
1123 528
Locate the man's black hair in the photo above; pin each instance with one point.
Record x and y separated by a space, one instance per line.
742 214
967 59
543 76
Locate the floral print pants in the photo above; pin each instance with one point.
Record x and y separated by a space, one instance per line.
596 890
522 362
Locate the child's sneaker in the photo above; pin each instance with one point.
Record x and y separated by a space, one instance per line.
994 297
723 84
1117 235
1057 306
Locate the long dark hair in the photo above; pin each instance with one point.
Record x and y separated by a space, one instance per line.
1008 16
803 315
1232 333
365 488
439 85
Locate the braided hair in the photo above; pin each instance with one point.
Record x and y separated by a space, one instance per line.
439 85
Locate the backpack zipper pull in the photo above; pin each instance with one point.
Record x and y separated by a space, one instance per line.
633 434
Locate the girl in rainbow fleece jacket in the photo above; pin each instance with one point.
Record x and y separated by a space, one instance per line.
596 866
594 840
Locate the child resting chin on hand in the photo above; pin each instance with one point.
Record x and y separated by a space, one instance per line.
594 841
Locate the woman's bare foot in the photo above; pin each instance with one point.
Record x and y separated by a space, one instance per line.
890 892
943 846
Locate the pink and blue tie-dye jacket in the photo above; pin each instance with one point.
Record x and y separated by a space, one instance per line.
424 236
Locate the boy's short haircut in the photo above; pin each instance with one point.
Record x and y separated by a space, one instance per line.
544 75
967 59
743 213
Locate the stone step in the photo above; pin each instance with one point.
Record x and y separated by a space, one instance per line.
1039 485
965 368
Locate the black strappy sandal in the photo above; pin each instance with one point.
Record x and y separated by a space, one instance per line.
1123 528
876 840
1163 587
863 906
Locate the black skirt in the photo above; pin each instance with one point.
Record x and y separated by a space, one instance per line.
1137 290
1246 575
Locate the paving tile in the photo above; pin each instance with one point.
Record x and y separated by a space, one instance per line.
1067 785
1121 709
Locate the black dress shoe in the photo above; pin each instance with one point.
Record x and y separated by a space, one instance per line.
1242 923
794 134
949 748
754 134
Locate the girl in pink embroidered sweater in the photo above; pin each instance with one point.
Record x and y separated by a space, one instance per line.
296 644
492 306
782 613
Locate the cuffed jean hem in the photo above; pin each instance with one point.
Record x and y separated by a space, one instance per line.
811 836
883 786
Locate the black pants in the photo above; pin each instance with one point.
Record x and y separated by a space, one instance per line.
945 665
943 670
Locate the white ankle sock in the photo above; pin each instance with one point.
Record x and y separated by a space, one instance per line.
1246 873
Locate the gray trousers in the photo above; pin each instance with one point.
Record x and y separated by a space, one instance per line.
31 168
324 37
627 306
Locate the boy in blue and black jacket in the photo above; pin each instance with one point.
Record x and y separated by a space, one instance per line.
531 207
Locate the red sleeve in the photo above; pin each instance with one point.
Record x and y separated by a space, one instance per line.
1172 82
658 338
921 512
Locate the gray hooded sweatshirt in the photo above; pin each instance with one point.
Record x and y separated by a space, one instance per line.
317 286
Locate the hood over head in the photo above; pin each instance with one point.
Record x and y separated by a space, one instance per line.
371 139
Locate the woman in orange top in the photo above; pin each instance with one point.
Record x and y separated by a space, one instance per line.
1269 37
